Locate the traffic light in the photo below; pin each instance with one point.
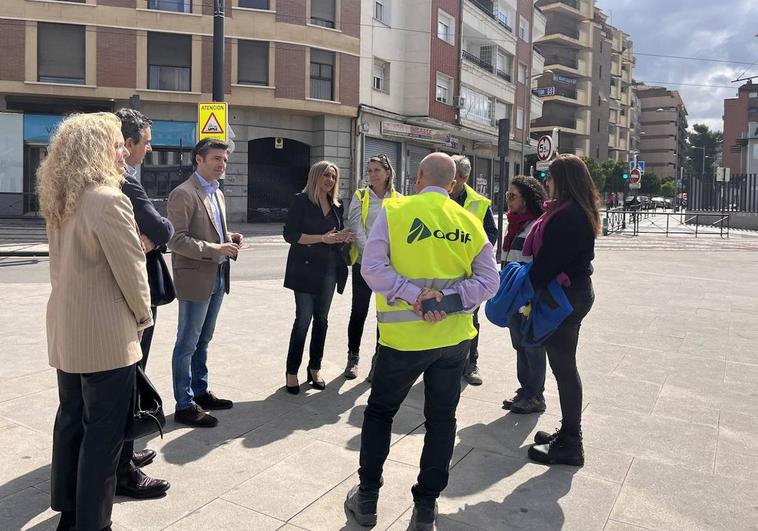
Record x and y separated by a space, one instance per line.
543 175
626 176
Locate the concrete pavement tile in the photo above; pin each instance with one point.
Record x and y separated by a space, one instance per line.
734 465
640 435
221 514
656 366
613 525
29 357
408 449
443 524
29 463
291 485
619 391
738 433
26 509
36 411
490 491
328 512
742 373
28 384
659 496
674 408
704 393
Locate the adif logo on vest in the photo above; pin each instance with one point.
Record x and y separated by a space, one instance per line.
419 231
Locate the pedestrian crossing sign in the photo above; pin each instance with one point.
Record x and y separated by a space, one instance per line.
211 120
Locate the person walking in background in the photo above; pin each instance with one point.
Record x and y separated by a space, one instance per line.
315 231
525 198
201 249
562 241
99 305
422 247
155 231
365 206
479 206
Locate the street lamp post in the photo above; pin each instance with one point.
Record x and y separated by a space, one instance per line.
524 126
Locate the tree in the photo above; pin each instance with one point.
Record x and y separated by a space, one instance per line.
668 188
596 171
650 184
614 175
702 137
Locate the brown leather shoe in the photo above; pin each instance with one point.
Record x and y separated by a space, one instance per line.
137 485
195 416
142 458
209 402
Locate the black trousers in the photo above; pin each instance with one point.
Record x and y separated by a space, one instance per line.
359 311
396 372
473 355
87 438
561 352
125 461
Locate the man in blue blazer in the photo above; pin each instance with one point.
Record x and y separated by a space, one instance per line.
155 232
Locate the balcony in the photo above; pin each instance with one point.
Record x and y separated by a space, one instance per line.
551 60
564 35
503 75
546 122
482 20
572 8
484 65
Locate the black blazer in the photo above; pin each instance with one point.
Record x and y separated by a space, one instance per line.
307 264
159 230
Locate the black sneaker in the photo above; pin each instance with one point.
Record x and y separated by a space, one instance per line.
524 406
195 416
564 449
424 517
543 437
508 402
363 506
209 401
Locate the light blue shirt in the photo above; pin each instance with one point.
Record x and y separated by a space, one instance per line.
210 191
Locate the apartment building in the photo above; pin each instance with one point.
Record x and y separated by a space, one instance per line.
620 94
740 147
445 89
663 130
291 80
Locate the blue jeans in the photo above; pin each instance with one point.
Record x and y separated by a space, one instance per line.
531 364
315 307
197 321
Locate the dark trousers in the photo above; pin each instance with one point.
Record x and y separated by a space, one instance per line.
87 438
125 461
473 355
359 311
531 363
561 352
311 307
396 372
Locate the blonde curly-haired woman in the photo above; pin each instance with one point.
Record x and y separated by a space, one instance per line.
99 304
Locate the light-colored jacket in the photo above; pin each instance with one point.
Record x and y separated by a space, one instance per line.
354 221
195 246
100 297
515 254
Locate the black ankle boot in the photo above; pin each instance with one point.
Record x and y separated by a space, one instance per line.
563 449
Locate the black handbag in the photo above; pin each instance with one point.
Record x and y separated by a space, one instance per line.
146 412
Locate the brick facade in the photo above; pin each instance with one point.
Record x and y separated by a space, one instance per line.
350 17
290 70
208 7
116 57
445 59
349 79
290 11
12 42
524 56
207 66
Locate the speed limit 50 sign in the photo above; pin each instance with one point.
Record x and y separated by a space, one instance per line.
544 148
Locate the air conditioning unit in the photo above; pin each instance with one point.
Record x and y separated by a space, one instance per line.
459 102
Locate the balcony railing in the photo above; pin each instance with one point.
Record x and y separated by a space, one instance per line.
502 19
503 75
568 123
571 3
470 57
565 61
485 5
568 32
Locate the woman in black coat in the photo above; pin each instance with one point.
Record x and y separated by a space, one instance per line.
316 233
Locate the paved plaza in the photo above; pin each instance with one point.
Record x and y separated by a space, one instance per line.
668 358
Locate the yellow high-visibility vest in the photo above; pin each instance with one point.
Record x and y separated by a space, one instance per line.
365 198
433 243
476 203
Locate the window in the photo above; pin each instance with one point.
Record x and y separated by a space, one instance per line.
254 4
478 106
445 27
382 11
502 110
521 73
252 63
381 77
60 53
523 29
178 6
519 118
322 13
443 88
322 74
169 61
504 65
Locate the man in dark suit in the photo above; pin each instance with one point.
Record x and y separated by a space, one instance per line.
155 232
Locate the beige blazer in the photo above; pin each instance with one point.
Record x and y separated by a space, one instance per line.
100 297
195 244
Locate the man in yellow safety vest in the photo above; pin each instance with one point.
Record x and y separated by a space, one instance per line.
422 248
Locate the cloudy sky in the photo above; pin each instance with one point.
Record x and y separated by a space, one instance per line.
724 30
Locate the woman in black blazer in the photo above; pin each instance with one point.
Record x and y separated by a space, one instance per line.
315 231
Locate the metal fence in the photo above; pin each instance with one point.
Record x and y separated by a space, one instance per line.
641 220
740 194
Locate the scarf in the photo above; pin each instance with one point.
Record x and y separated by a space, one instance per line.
533 242
516 223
